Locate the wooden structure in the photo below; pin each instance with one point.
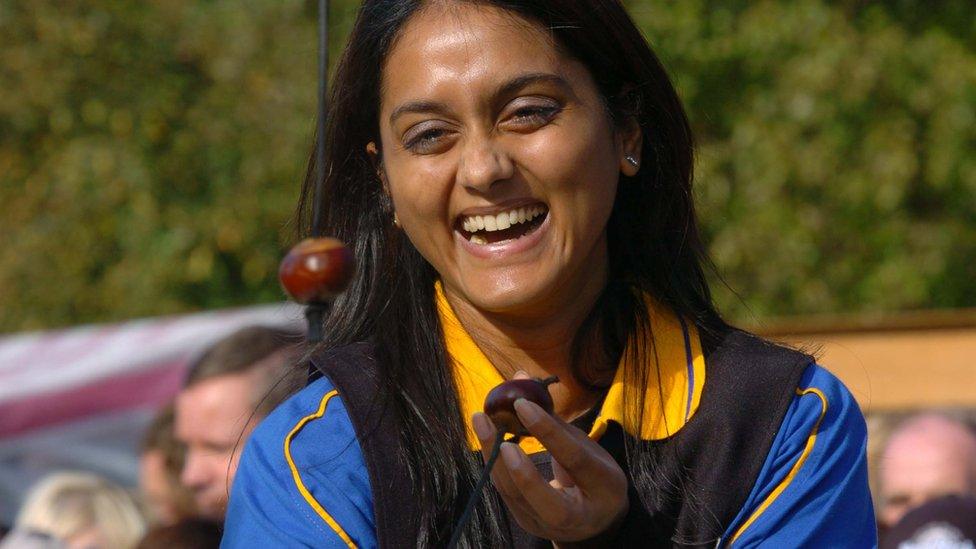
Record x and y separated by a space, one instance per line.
891 363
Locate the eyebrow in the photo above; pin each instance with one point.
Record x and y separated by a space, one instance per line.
516 84
507 89
416 106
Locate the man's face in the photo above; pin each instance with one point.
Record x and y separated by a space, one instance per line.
213 420
919 468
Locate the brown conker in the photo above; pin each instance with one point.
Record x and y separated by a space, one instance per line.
500 402
316 270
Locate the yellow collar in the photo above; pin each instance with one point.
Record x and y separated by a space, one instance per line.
680 381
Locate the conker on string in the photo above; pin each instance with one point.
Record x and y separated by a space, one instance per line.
316 270
500 402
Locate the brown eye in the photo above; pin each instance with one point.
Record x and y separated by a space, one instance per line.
425 141
535 114
426 138
529 115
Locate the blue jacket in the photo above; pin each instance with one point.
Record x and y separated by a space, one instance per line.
811 492
772 444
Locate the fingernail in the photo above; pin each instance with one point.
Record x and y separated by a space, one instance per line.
512 455
528 412
481 426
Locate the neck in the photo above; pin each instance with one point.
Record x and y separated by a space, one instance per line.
539 344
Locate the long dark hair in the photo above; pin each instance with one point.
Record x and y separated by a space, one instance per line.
653 239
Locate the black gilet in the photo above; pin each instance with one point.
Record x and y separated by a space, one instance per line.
701 475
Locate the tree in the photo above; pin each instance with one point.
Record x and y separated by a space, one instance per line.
835 170
151 152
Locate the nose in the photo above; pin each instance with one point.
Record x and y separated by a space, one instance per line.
194 474
483 163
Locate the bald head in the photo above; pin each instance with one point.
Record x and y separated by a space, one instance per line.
928 456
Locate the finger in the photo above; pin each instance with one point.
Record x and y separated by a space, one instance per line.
486 432
521 374
588 464
484 429
547 503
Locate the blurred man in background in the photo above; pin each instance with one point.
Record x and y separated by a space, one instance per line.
228 391
927 457
161 462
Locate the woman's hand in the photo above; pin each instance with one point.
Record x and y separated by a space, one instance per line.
587 497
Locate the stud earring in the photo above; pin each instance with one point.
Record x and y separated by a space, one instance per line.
396 220
631 160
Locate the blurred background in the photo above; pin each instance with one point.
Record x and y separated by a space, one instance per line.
151 155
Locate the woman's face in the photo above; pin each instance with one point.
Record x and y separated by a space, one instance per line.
500 158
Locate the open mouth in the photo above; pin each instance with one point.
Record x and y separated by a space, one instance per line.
501 227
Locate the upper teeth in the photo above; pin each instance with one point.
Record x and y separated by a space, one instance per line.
504 220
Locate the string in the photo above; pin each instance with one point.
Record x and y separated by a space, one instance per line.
314 312
476 494
323 107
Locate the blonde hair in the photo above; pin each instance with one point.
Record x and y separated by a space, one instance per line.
66 504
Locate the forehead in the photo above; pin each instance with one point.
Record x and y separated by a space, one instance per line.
215 403
443 44
923 467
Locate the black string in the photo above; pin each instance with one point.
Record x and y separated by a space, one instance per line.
476 494
314 312
323 107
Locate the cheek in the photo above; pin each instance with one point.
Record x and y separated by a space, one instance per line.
415 198
579 166
414 183
421 196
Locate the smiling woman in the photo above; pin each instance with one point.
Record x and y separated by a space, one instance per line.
515 181
497 121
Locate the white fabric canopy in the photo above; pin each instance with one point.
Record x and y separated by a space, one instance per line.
80 398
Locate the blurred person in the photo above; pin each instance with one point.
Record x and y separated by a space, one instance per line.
185 534
228 390
880 426
926 457
77 510
28 539
160 464
948 522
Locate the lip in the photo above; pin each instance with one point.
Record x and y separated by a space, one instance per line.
505 249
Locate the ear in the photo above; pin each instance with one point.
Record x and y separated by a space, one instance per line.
376 158
630 139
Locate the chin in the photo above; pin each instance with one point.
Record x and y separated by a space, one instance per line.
508 294
213 511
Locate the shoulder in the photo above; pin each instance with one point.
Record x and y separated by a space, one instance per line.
823 417
823 426
822 397
339 362
313 424
750 383
302 475
748 363
745 350
812 488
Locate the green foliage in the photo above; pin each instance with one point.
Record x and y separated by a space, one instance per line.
151 152
836 170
